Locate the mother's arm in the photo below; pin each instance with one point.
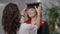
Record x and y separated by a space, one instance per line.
22 19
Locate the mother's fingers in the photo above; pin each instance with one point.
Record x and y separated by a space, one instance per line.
23 11
25 8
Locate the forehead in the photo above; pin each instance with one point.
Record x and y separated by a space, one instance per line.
31 8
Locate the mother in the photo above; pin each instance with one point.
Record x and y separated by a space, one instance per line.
11 18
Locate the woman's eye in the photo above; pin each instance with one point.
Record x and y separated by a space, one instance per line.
32 10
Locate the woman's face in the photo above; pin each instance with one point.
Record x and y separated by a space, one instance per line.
31 12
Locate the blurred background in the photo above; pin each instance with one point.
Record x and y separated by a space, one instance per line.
50 12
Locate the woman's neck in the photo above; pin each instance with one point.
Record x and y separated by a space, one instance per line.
33 19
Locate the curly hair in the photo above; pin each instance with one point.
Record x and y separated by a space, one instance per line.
11 18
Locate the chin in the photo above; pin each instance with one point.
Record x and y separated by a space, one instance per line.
30 16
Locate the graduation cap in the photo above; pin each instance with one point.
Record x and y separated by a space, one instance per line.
32 5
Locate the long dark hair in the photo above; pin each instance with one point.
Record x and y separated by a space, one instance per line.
10 18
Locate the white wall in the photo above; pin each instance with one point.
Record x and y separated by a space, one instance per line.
1 10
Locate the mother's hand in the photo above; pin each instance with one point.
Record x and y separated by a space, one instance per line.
23 11
22 20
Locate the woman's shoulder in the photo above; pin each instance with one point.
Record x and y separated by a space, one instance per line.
28 21
42 21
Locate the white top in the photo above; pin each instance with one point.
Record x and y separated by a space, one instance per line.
27 29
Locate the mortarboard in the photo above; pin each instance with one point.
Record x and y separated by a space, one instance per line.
32 5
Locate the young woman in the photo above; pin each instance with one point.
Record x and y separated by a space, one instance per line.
11 18
34 18
27 28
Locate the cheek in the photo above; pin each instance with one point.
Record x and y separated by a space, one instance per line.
28 12
31 12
